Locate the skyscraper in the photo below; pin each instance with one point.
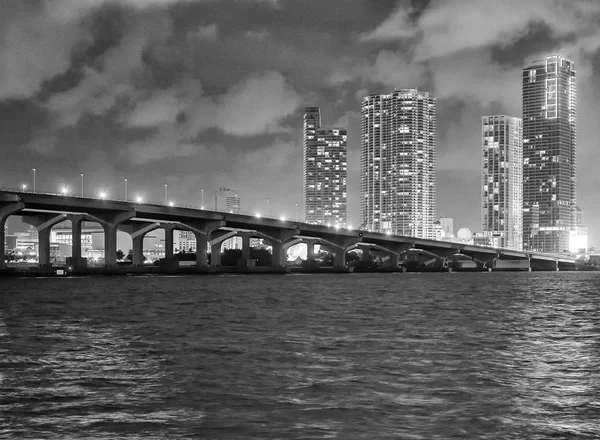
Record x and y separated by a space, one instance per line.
324 171
502 181
549 156
398 163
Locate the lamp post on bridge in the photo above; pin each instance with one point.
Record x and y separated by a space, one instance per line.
202 199
166 194
126 189
81 184
34 180
267 207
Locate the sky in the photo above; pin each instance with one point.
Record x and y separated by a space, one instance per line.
206 94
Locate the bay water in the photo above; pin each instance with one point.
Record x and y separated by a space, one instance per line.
345 356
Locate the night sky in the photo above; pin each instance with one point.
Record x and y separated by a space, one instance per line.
210 93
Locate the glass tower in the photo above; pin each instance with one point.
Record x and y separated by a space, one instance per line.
324 171
549 149
502 181
398 163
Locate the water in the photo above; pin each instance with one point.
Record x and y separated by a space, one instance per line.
373 356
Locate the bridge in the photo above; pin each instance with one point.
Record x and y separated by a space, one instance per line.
43 211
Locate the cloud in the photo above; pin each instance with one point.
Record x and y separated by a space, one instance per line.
397 26
205 32
167 142
32 48
101 88
450 27
257 35
255 104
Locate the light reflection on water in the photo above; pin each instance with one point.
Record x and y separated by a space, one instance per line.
327 356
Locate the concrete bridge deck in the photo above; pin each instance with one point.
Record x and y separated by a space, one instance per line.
43 211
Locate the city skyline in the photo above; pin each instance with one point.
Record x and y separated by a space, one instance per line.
170 91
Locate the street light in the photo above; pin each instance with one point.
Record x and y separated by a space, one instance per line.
296 212
282 218
139 199
126 189
202 200
24 187
102 195
165 193
267 207
64 191
81 184
34 180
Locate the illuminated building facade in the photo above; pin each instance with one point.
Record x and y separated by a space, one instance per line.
398 163
325 164
502 181
549 154
227 200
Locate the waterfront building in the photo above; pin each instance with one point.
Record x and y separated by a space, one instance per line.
324 171
549 154
184 241
447 224
502 181
228 200
398 163
578 242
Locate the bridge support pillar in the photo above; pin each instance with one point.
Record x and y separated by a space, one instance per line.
138 231
138 250
110 223
76 220
216 239
366 255
340 245
6 210
169 230
202 230
110 245
44 223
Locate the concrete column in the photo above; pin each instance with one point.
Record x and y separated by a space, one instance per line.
394 260
44 247
310 250
245 247
366 254
76 238
110 245
277 256
201 250
339 258
216 239
215 254
44 223
3 241
138 250
168 242
11 207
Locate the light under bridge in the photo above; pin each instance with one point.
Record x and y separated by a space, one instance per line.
43 211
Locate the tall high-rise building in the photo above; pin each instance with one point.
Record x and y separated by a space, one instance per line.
324 171
502 181
227 200
549 154
398 163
